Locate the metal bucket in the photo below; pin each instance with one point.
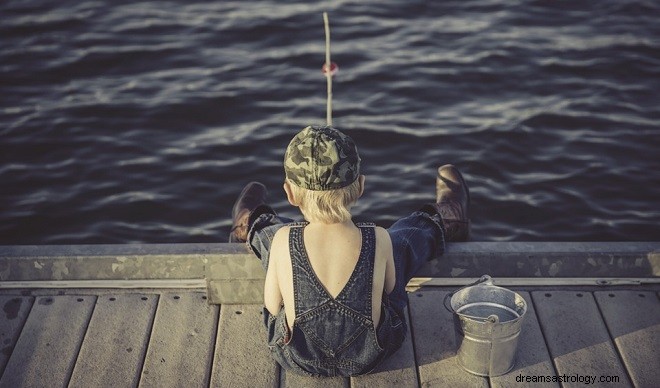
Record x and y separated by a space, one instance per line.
487 321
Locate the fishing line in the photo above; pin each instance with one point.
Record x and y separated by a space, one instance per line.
329 68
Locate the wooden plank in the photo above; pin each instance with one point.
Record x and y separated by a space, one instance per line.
95 284
142 261
236 291
292 380
577 337
417 282
398 370
15 310
116 341
182 339
237 266
242 358
47 349
532 358
435 346
633 319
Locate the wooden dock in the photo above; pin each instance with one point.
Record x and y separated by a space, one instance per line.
189 315
174 338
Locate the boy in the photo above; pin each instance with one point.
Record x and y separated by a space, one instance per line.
334 293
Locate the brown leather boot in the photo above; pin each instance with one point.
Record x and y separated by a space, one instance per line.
253 195
453 200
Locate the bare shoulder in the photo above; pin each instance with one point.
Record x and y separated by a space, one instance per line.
384 249
280 240
383 237
281 234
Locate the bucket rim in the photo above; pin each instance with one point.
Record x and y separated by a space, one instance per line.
520 307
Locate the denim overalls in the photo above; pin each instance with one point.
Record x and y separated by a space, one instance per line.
336 336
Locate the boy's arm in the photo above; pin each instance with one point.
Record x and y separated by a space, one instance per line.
272 293
383 237
390 275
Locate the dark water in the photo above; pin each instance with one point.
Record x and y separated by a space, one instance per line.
482 310
126 121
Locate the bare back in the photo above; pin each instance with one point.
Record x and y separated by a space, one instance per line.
333 251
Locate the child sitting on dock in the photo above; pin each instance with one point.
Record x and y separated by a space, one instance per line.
335 291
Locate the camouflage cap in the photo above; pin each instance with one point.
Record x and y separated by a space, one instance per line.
321 158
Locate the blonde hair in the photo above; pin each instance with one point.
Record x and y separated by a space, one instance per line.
326 206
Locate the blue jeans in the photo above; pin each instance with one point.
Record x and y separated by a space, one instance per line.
416 239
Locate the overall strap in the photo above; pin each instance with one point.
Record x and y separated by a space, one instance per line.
308 292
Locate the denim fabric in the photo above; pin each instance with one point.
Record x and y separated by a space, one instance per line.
261 233
335 337
416 239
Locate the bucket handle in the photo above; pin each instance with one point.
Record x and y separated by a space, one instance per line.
482 279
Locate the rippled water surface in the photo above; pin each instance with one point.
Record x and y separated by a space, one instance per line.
125 121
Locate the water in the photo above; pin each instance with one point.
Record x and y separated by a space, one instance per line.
482 310
124 121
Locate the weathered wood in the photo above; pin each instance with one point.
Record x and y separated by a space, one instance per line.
398 370
633 319
236 279
15 310
116 341
435 346
577 337
236 291
546 259
238 266
292 380
199 261
577 332
114 284
531 282
182 340
47 349
532 358
92 262
242 358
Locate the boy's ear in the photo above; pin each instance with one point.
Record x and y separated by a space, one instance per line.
289 194
362 178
